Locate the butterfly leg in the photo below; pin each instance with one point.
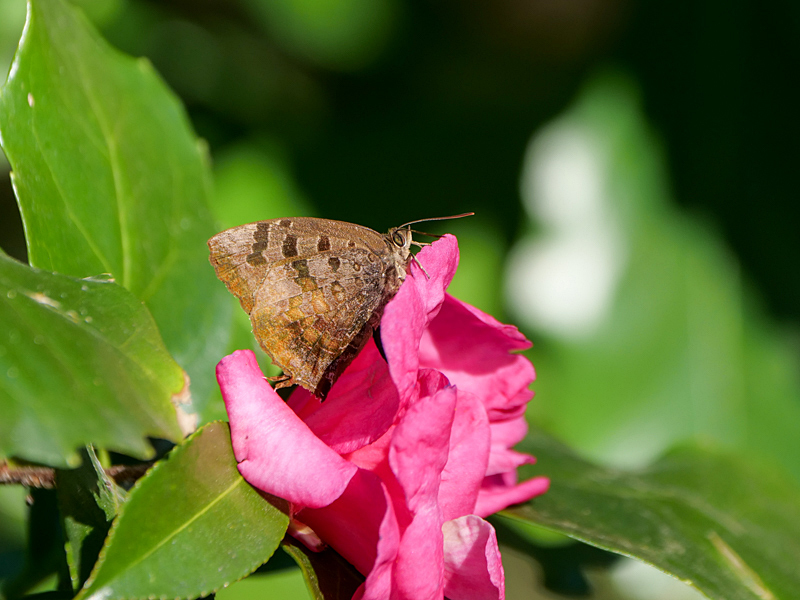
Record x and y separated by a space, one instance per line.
281 381
419 264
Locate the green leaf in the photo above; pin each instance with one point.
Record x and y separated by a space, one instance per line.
110 179
328 575
683 349
81 362
338 34
281 583
88 501
45 561
253 180
728 527
190 527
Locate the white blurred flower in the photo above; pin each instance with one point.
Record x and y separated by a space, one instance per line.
563 280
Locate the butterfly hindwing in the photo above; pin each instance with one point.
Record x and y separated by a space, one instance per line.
314 289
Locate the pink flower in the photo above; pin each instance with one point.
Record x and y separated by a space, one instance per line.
397 467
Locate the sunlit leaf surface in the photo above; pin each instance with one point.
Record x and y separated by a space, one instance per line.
81 361
191 526
110 179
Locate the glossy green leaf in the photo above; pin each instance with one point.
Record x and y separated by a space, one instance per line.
110 179
88 501
81 361
729 528
328 575
190 527
283 583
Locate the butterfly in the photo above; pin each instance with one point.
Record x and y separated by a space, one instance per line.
315 289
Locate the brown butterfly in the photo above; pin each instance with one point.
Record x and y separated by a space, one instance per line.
315 289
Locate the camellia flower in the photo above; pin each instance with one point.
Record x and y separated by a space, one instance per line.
396 469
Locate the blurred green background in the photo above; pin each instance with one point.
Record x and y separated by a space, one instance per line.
631 165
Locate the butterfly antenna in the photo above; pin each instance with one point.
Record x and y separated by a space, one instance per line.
433 235
469 214
413 256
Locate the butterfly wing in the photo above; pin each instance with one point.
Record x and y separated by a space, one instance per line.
314 290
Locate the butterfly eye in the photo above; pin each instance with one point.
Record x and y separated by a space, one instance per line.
398 239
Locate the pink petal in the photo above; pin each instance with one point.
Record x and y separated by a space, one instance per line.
474 351
509 433
380 579
504 435
275 450
374 457
501 491
360 407
303 403
417 457
503 460
409 312
467 459
361 526
509 331
440 261
473 570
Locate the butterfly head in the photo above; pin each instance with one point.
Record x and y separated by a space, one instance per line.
401 240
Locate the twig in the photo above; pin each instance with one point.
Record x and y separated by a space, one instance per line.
44 477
